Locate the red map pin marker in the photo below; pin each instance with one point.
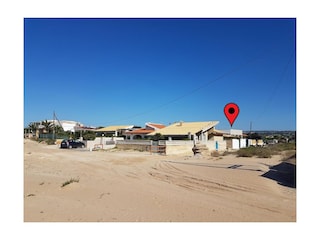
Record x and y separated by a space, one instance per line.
231 110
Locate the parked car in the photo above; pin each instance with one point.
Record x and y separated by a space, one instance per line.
72 144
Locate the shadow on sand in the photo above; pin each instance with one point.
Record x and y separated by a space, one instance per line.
284 173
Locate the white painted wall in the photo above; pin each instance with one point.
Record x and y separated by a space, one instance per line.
235 144
243 143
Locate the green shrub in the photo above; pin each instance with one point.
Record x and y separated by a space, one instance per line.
260 152
283 147
246 152
89 135
158 137
267 152
263 152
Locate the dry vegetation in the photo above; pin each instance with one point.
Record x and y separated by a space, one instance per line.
268 151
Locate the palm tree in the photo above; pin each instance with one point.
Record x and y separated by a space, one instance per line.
47 125
33 127
58 129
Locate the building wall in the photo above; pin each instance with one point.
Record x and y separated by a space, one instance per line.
236 132
252 142
134 147
172 147
235 144
103 142
179 149
260 142
137 145
216 145
238 143
222 144
243 142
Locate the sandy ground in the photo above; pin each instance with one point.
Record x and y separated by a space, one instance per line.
138 186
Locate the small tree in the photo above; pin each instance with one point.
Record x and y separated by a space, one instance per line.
33 127
89 135
59 132
58 129
158 137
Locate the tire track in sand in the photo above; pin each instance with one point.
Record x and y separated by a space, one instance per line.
167 172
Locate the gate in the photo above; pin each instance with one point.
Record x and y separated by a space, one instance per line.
157 147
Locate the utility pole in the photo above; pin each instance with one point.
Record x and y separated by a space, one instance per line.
53 132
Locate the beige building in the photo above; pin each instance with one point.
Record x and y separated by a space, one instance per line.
196 131
115 131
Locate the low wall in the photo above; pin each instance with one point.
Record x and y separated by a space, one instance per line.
102 142
137 145
90 143
134 147
178 149
171 147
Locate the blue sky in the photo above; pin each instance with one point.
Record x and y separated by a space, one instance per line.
104 72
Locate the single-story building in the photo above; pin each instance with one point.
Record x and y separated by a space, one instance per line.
196 131
234 139
115 131
67 125
141 133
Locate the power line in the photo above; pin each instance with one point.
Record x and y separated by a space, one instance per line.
273 93
233 70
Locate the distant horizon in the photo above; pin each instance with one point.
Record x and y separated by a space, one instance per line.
143 125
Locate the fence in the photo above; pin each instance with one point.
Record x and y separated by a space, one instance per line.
134 145
135 142
51 136
161 149
143 145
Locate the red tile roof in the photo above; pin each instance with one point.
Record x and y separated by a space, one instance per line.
156 125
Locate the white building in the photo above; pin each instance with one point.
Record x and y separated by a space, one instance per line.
67 125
